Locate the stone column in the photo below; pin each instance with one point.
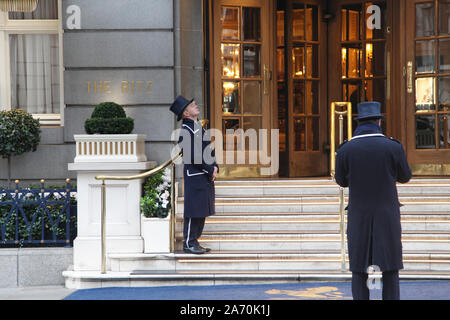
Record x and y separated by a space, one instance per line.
123 220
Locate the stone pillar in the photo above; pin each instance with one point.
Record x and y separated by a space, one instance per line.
123 218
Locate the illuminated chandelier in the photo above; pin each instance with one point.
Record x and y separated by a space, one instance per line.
18 5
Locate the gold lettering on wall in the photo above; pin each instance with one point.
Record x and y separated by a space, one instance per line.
126 86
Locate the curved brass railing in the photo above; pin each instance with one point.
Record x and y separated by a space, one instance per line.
170 162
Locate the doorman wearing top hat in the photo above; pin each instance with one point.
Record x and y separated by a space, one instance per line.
370 164
199 175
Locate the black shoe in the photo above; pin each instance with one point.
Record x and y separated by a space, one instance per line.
205 249
195 250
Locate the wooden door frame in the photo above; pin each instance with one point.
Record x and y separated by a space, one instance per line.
392 72
268 118
422 161
294 163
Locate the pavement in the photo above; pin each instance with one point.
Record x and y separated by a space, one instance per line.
409 290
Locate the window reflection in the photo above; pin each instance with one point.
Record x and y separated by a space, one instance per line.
425 56
425 132
230 23
230 97
230 60
424 19
298 61
444 131
444 94
298 32
425 99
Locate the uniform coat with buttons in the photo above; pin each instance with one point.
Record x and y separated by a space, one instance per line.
199 193
370 164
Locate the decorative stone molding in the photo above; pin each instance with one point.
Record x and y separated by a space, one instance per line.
110 148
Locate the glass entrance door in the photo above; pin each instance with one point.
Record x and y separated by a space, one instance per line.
360 46
428 86
301 74
242 79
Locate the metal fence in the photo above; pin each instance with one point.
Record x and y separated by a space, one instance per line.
38 216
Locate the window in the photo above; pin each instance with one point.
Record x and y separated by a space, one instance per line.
31 62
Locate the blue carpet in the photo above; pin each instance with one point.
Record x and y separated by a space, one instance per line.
409 290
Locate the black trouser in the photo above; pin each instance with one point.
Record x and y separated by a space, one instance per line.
193 228
391 286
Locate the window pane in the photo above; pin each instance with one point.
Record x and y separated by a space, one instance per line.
252 97
344 25
425 132
354 18
312 97
444 94
351 91
425 94
230 140
252 24
444 131
230 23
375 59
298 31
425 19
299 132
299 97
35 72
353 62
444 17
230 60
280 64
311 23
312 61
425 56
313 134
299 65
46 9
374 90
280 28
444 55
252 60
230 97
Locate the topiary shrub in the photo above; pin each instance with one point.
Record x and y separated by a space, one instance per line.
109 118
19 133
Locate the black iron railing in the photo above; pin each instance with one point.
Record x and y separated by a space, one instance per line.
38 216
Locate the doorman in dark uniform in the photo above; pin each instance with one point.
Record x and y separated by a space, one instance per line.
200 171
370 164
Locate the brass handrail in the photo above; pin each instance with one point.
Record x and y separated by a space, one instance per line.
348 112
170 162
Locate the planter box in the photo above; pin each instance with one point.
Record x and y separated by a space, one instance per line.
110 148
156 234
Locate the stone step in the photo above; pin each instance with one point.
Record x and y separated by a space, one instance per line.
247 224
297 206
155 278
307 240
260 262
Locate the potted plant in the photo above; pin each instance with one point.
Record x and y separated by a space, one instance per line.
109 137
19 133
155 210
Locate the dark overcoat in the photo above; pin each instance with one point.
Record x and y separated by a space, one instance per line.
199 193
370 164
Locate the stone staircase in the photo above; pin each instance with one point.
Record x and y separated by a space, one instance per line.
288 230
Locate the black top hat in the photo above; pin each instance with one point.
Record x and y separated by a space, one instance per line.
179 105
369 110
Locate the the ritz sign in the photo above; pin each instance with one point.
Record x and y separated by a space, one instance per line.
127 86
